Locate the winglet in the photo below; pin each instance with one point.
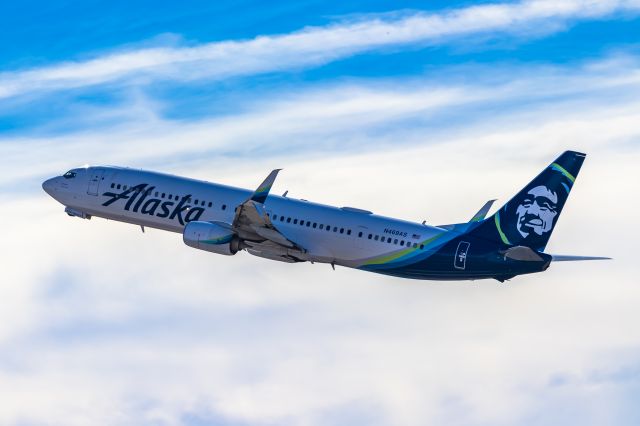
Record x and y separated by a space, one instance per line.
260 195
482 213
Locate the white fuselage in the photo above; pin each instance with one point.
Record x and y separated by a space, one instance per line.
345 236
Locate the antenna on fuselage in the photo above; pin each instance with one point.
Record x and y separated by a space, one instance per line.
285 193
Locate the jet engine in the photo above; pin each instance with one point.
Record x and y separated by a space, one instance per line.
216 237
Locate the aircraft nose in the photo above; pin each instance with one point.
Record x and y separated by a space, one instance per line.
49 185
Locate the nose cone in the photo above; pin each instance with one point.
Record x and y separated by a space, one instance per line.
49 186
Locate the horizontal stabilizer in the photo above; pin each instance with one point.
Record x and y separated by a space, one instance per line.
565 258
522 253
482 213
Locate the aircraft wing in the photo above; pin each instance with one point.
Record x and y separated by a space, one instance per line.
252 223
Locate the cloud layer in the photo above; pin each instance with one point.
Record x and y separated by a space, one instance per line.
311 46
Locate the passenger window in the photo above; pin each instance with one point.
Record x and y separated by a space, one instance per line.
395 241
315 224
335 229
321 226
389 239
281 218
156 194
421 246
210 204
415 245
113 185
288 220
295 221
195 202
275 217
402 243
224 207
370 236
359 234
308 224
376 238
342 230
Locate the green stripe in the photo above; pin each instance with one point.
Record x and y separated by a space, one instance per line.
476 218
502 236
216 241
395 256
564 172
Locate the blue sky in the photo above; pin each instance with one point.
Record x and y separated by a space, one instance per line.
50 34
418 110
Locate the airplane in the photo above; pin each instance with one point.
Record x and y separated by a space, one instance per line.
225 220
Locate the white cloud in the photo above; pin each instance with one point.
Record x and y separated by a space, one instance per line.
308 47
346 118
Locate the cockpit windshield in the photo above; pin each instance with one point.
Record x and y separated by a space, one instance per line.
69 175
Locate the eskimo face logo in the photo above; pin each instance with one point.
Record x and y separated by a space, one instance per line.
139 200
537 211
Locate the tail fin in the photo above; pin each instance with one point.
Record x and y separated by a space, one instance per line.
529 218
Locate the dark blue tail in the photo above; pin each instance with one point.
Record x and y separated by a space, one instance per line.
529 218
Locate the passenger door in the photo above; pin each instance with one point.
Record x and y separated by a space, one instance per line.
95 177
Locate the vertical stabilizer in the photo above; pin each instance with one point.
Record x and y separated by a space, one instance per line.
529 218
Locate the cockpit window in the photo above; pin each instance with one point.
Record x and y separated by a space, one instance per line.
69 175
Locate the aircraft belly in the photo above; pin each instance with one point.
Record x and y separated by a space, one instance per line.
134 219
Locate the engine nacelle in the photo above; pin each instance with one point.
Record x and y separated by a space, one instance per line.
216 237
